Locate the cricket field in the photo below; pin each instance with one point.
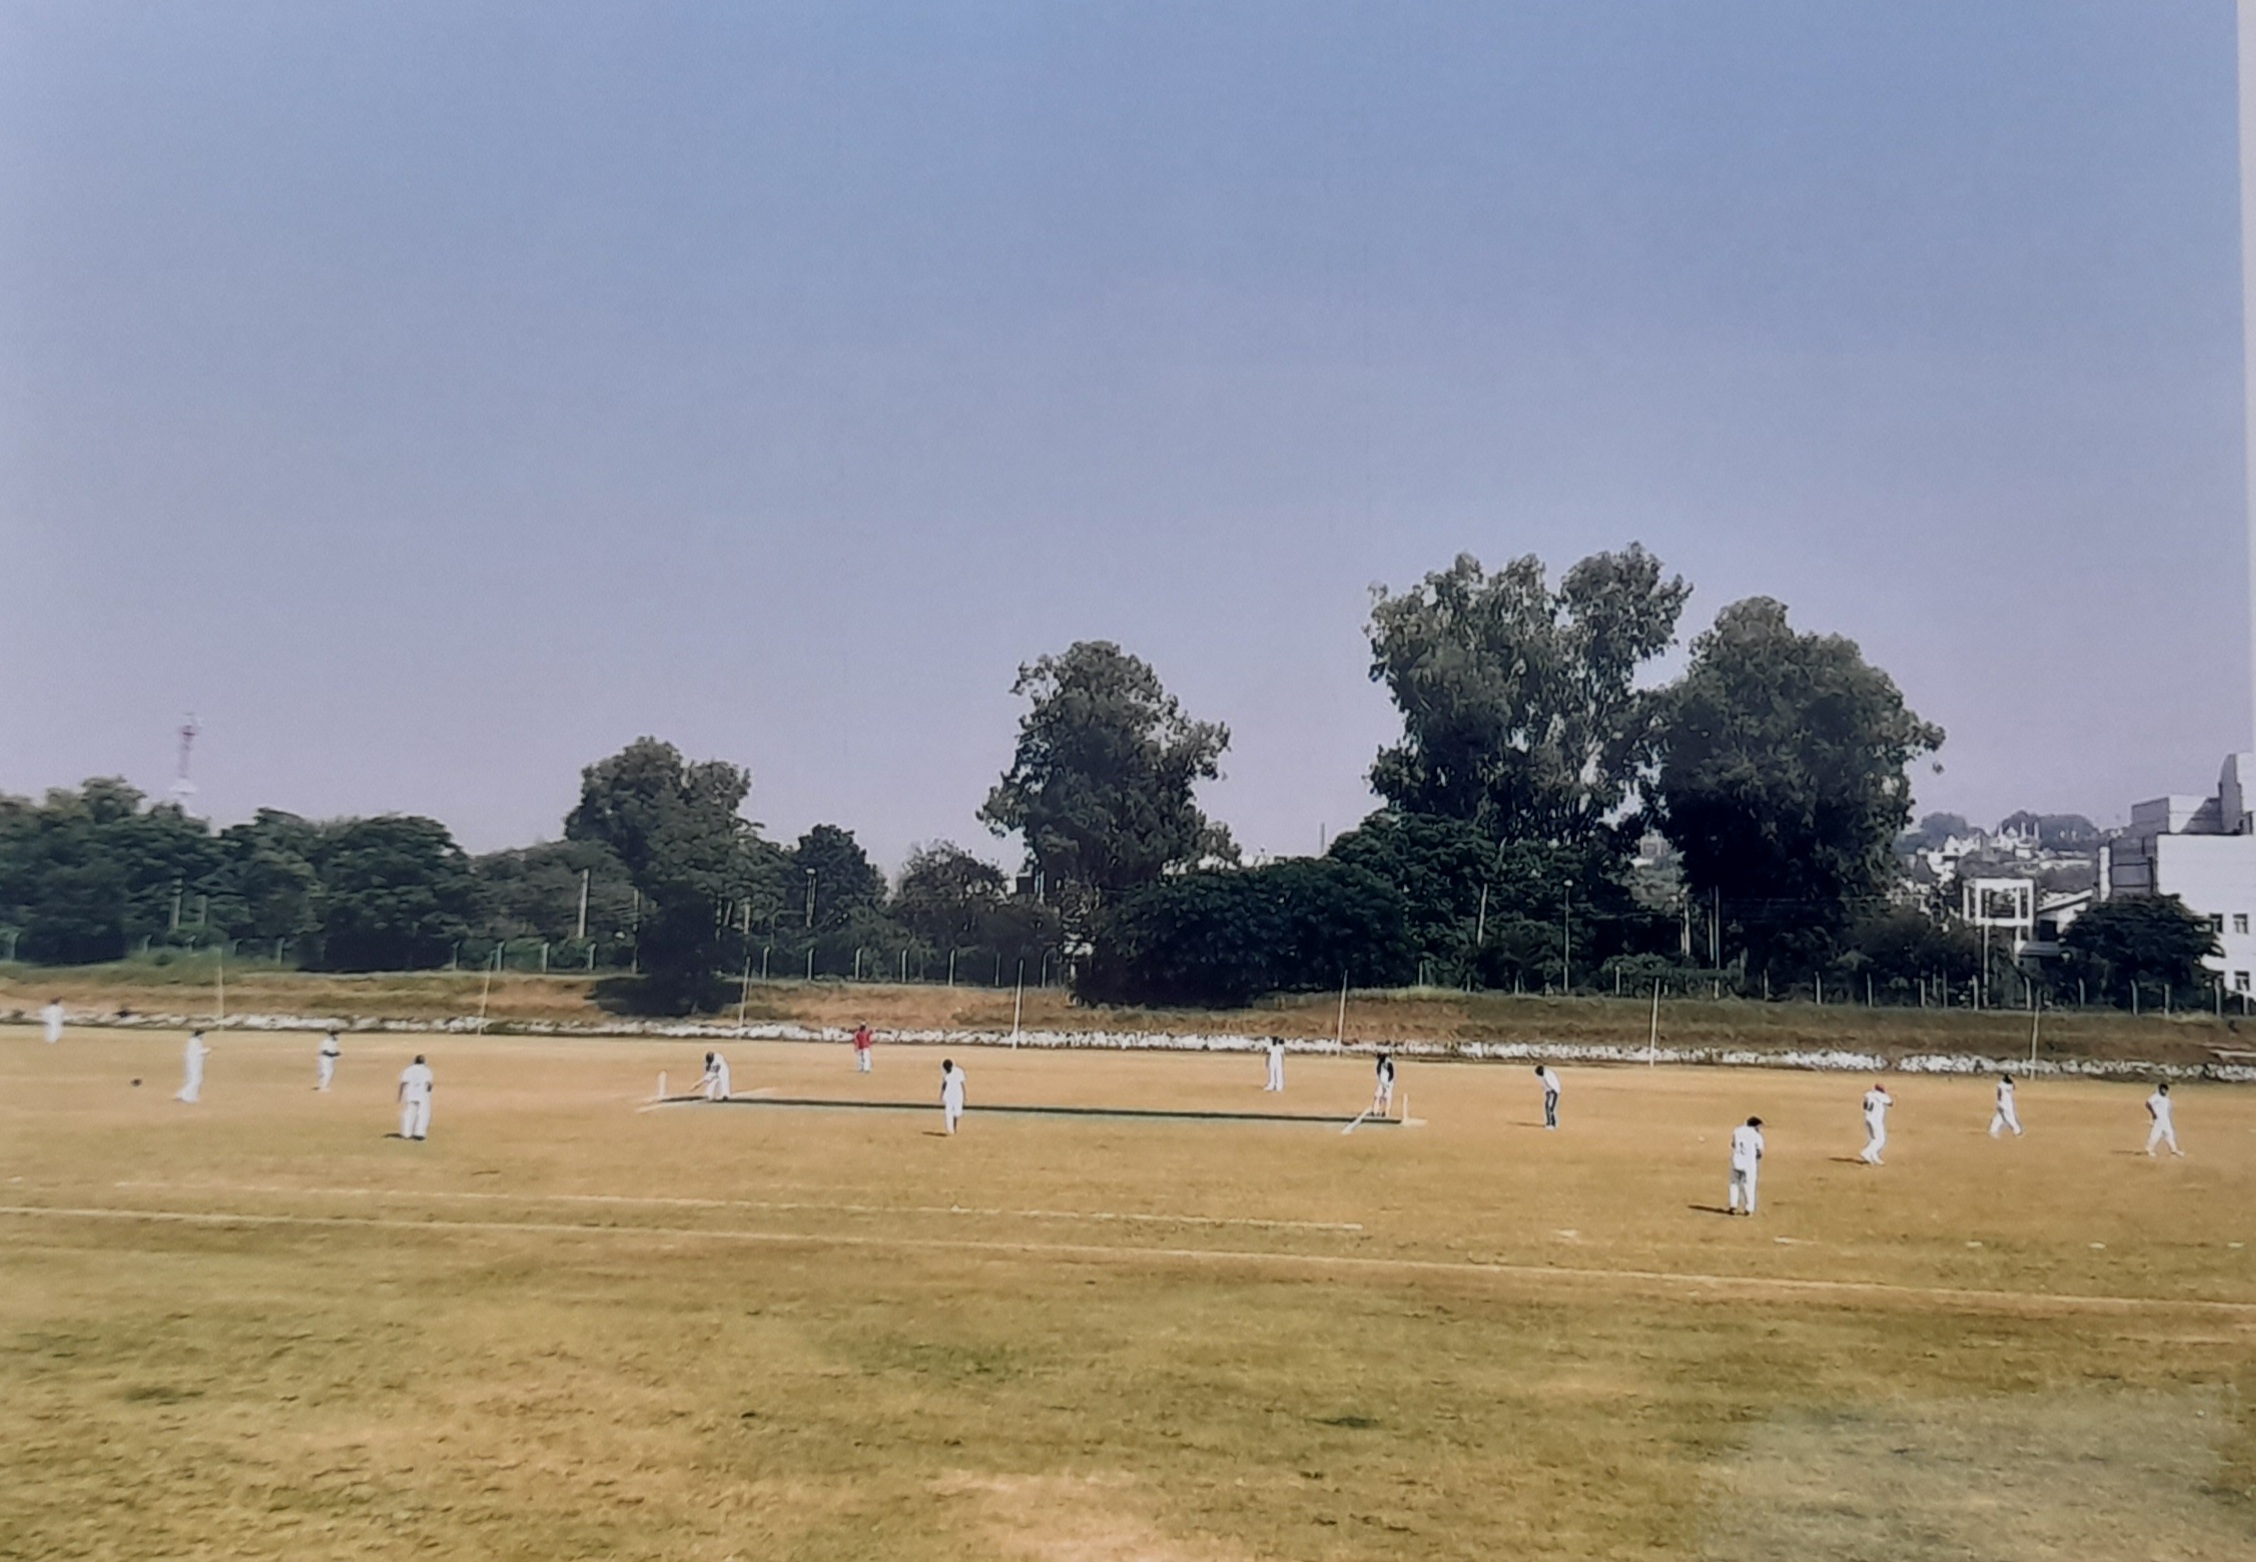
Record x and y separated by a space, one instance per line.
579 1323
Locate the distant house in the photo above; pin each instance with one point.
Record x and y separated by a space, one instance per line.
2202 850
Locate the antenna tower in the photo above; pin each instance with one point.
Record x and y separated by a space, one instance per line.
183 789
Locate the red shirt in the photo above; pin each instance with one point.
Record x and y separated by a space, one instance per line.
862 1039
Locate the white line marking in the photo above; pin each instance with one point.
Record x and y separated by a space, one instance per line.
657 1201
1720 1286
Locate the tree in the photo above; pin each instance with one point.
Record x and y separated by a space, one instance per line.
1221 937
845 882
396 894
1100 787
676 828
948 897
2055 832
1519 708
1782 779
534 891
86 874
269 887
2139 943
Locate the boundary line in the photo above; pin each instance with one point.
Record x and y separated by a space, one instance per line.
778 1205
1716 1286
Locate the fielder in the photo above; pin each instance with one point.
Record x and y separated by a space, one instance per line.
415 1099
1746 1162
1876 1104
1382 1097
1550 1078
862 1041
52 1015
329 1054
716 1080
2163 1132
192 1079
1276 1064
951 1093
2005 1117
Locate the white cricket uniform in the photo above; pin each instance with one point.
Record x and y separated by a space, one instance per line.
2163 1132
329 1054
1746 1165
1276 1066
52 1015
952 1097
415 1101
1383 1097
2005 1116
1549 1079
717 1079
192 1075
1876 1104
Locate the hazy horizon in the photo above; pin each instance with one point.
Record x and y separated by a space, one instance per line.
435 398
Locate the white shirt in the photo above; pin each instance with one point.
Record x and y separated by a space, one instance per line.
196 1050
1550 1081
719 1073
415 1081
2005 1092
2159 1105
1746 1147
952 1089
1877 1102
329 1047
1386 1070
53 1015
1276 1049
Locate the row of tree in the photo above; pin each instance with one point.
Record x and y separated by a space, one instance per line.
1536 754
656 875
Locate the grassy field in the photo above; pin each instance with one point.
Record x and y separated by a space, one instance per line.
575 1325
187 987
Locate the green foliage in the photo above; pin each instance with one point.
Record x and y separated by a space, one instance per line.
2144 943
847 886
534 892
1546 905
1899 947
1782 780
675 827
85 875
396 891
1519 710
1100 786
1220 937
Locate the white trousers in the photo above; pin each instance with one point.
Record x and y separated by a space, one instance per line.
1875 1139
193 1086
2005 1117
861 1060
713 1090
415 1117
1743 1183
328 1071
1276 1072
2162 1133
951 1113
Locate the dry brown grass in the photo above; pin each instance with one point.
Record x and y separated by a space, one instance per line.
568 1327
187 988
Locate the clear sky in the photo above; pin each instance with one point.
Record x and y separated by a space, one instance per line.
433 398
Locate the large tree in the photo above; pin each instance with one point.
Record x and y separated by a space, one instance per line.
396 893
676 828
1520 711
1782 778
1100 788
2149 943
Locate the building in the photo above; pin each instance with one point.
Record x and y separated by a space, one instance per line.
2202 850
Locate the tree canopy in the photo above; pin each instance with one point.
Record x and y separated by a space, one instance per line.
2140 943
1782 779
1520 710
1100 787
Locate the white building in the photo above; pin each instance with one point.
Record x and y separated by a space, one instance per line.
2202 850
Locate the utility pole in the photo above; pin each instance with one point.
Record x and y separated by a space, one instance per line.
580 931
1566 942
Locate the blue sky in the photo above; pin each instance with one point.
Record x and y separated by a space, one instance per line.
434 398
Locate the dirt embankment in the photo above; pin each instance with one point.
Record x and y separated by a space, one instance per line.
190 989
